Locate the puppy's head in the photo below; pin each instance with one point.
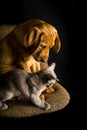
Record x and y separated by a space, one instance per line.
38 37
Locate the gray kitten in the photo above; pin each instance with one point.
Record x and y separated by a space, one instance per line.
18 83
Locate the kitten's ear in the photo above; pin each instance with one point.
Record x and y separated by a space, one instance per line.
52 66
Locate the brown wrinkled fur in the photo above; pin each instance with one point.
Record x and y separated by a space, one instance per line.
27 45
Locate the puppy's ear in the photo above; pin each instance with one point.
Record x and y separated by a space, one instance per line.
28 37
32 36
57 44
32 39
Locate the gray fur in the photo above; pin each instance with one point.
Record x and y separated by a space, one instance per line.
19 83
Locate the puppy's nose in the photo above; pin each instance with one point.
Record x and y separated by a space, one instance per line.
44 60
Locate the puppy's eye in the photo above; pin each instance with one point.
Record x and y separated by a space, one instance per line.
43 46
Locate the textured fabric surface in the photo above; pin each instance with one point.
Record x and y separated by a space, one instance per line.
19 109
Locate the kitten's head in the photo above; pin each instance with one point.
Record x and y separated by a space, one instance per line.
49 76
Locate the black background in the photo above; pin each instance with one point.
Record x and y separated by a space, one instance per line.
68 17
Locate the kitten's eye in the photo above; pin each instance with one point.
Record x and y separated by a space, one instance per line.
49 85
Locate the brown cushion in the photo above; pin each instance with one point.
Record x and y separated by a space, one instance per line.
19 109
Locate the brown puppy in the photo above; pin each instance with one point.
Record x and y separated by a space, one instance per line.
27 46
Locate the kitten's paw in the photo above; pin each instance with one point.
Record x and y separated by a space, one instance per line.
21 98
46 106
4 106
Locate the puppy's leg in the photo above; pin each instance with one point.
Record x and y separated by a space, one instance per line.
25 66
5 68
30 64
35 67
